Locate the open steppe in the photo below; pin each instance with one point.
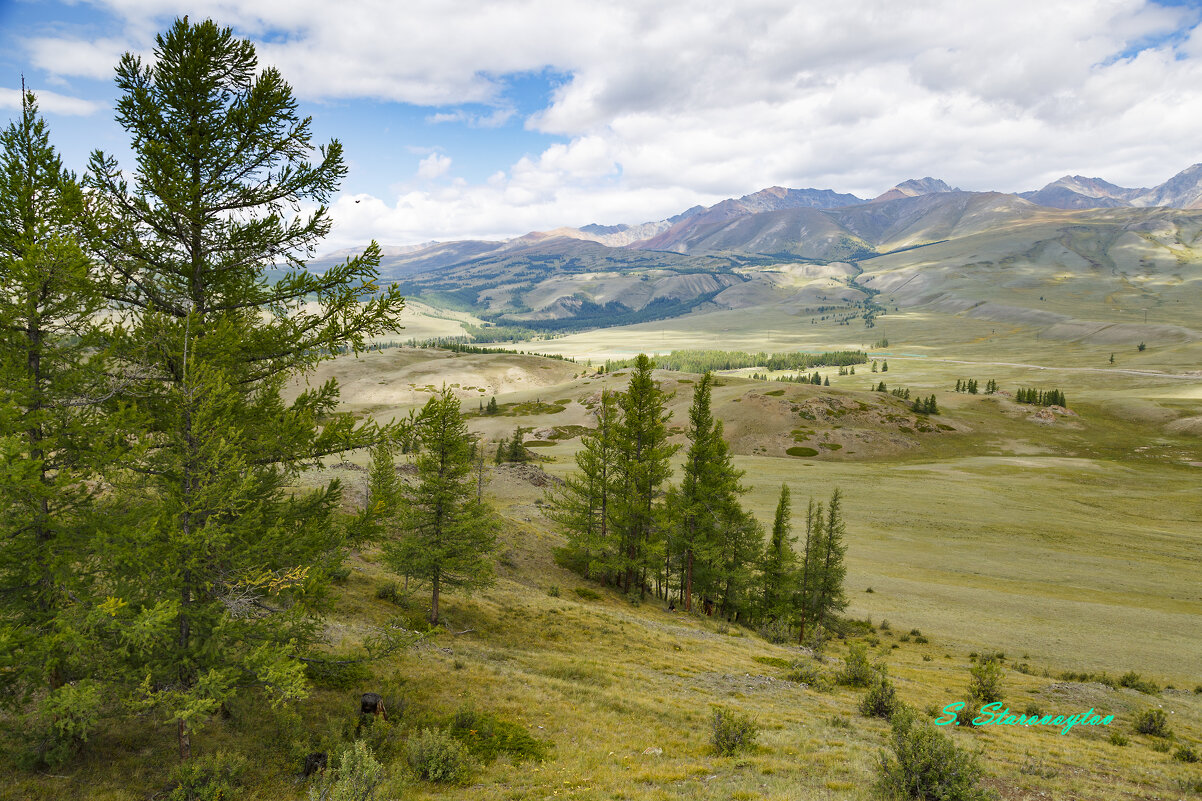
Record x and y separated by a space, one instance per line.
1069 542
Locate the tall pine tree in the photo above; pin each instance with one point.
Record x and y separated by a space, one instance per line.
51 442
217 562
810 576
780 561
828 584
708 488
584 506
643 454
447 536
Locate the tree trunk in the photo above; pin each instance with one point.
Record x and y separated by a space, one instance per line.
688 582
185 742
434 602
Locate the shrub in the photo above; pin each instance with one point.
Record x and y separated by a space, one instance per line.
985 682
840 722
333 675
1152 721
732 732
64 720
436 756
1032 710
487 736
856 670
1161 746
388 592
356 777
881 699
778 632
1186 753
1198 690
926 763
213 777
805 671
921 640
1136 682
587 594
553 590
1117 738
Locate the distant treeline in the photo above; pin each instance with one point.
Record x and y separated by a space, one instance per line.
459 345
507 333
1039 397
701 361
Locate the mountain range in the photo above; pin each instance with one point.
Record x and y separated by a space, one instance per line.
802 248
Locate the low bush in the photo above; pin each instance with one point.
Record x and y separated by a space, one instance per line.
356 777
1032 710
63 721
1161 746
927 764
778 632
1136 682
1152 721
334 674
1186 753
588 595
857 672
881 699
213 777
436 756
487 736
732 732
388 592
985 681
809 673
1117 738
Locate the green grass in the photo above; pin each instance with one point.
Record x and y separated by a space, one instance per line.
1064 546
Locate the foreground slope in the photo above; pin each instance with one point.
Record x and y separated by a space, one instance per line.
1069 546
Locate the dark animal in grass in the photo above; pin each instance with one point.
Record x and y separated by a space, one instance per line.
371 706
316 763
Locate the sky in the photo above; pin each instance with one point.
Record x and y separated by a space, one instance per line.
486 120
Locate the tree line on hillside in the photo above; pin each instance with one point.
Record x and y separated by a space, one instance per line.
628 526
1040 397
702 361
156 553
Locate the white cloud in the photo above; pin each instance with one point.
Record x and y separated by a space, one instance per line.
50 103
433 166
77 57
675 103
494 119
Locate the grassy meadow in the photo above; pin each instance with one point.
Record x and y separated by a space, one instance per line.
1069 545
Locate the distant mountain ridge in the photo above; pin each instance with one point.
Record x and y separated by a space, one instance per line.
1182 191
680 232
